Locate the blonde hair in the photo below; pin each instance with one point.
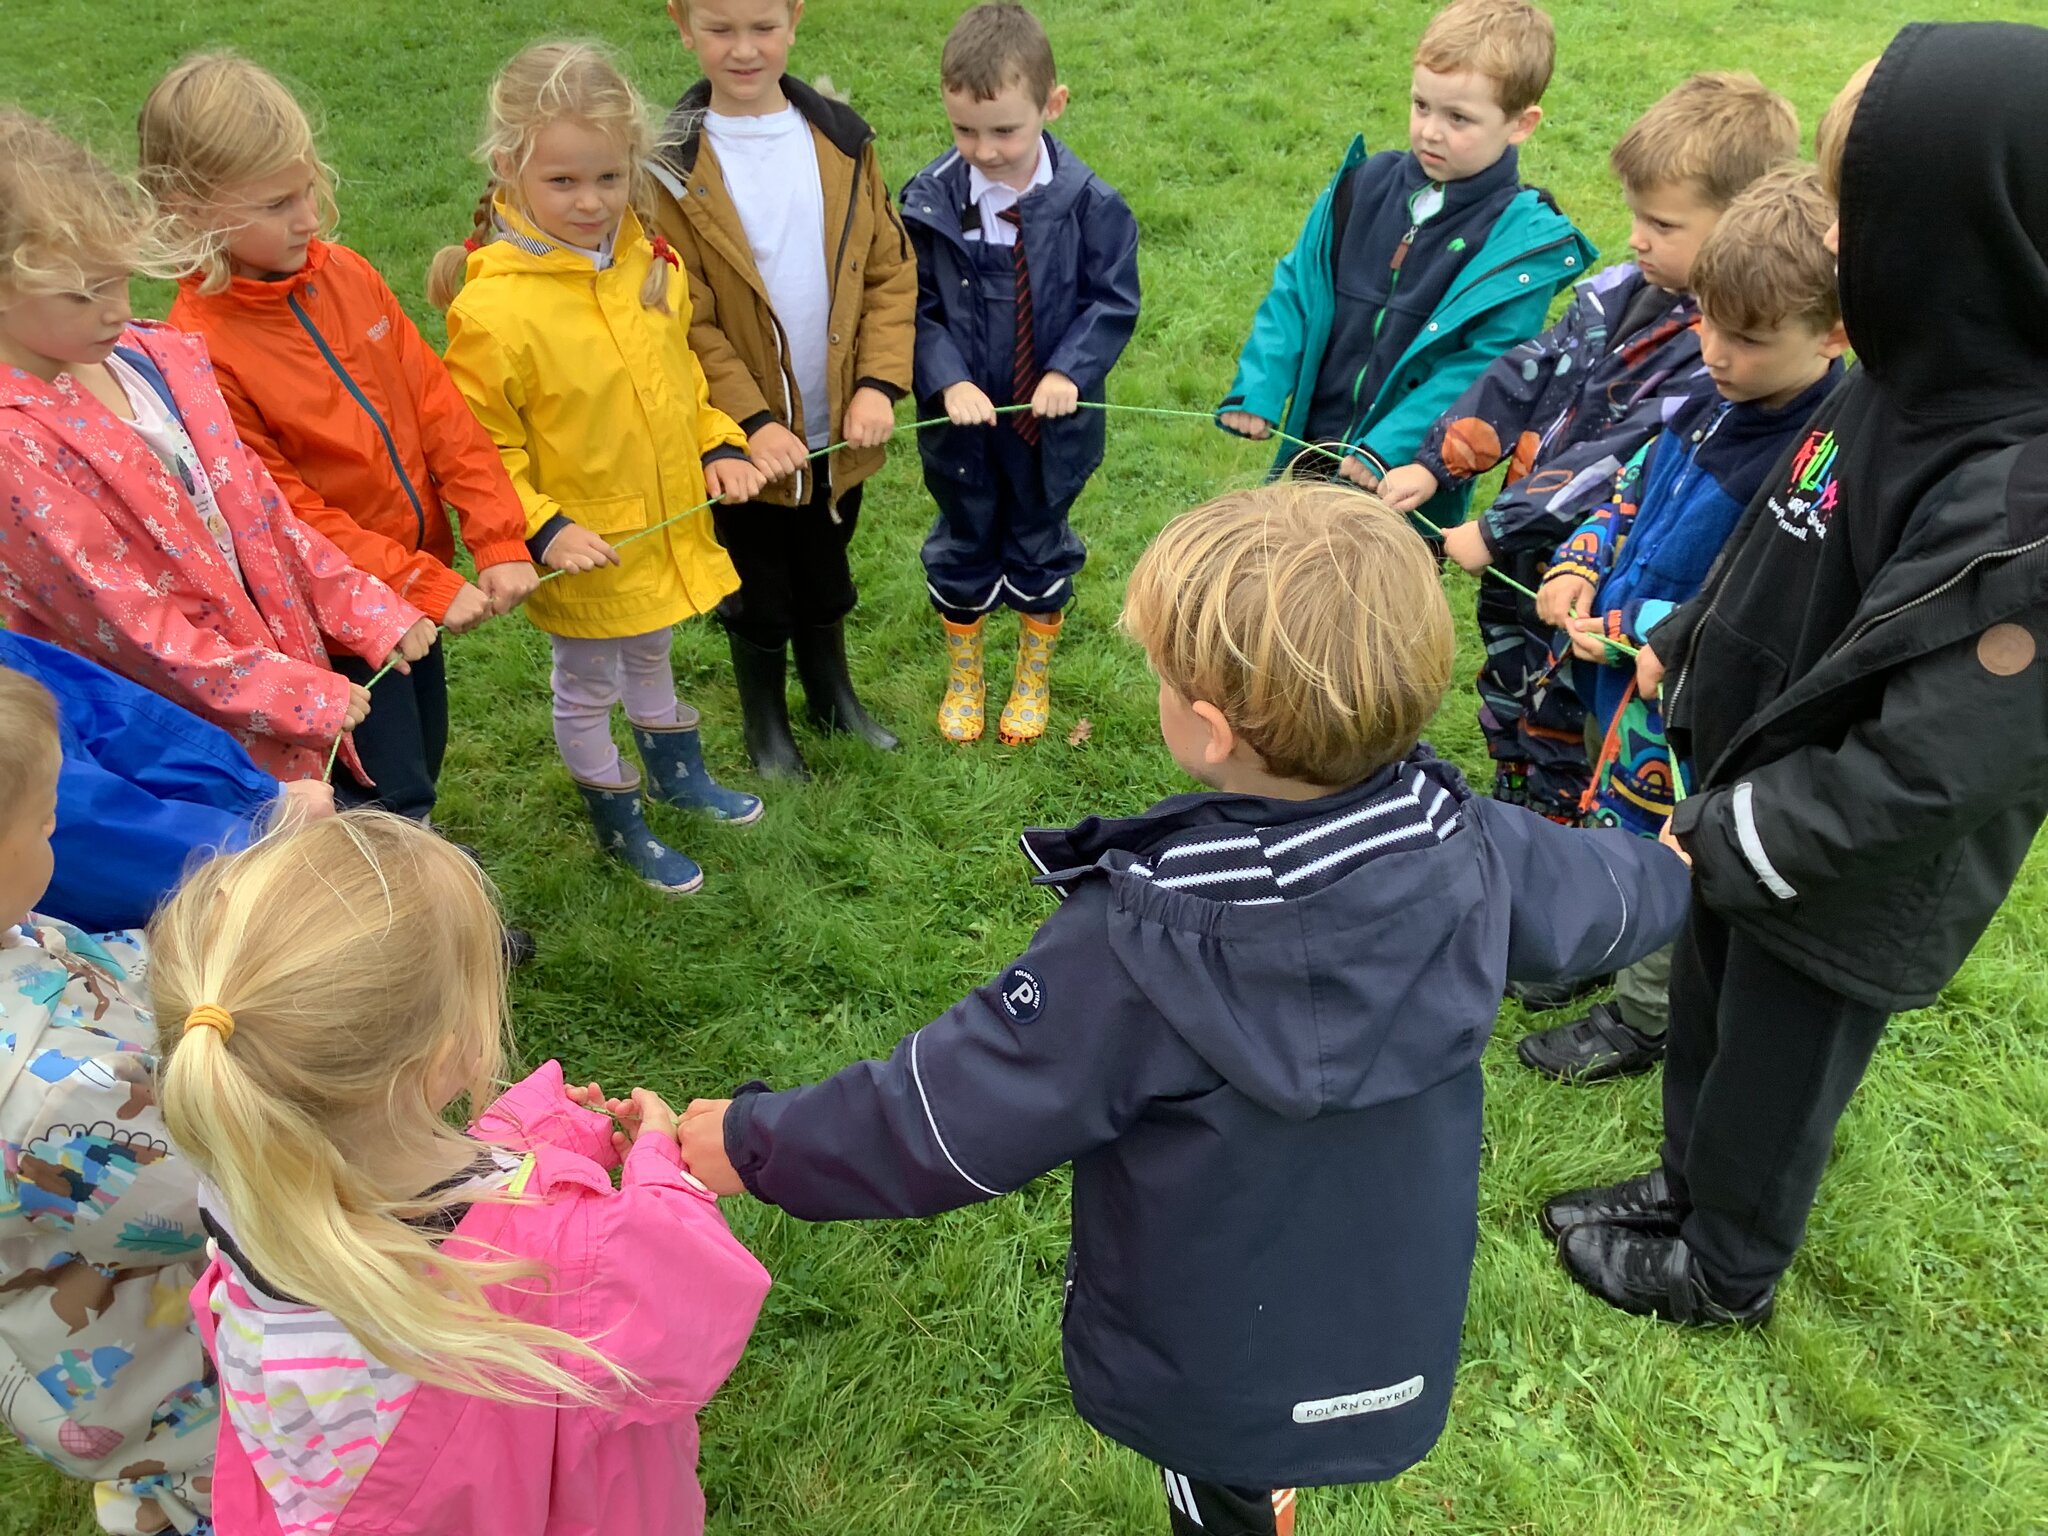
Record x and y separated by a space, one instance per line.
360 959
1718 130
1309 614
1509 41
1766 262
30 746
65 216
994 46
215 123
546 84
1832 137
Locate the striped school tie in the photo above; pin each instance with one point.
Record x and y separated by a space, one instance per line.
1024 370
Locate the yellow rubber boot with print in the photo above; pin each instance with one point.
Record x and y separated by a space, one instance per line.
963 710
1025 717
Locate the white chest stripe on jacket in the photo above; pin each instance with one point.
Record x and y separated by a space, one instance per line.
1743 808
917 1076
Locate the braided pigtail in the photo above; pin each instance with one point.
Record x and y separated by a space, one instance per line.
445 273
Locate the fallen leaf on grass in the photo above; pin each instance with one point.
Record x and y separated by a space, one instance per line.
1083 729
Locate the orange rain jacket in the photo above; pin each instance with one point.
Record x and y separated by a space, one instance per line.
358 422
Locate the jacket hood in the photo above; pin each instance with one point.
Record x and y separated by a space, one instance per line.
937 195
1365 990
1945 221
22 390
256 292
682 135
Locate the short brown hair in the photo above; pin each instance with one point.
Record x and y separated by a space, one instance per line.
1719 131
1766 262
994 46
1509 41
1309 614
1832 136
30 747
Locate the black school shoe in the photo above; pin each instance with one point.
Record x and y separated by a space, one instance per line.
1651 1275
1543 996
1600 1046
1644 1202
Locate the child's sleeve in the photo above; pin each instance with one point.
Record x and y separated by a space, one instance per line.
1581 902
979 1102
1950 744
1108 282
671 1295
355 611
938 363
884 347
61 542
1269 365
1590 551
412 573
1486 423
488 378
461 457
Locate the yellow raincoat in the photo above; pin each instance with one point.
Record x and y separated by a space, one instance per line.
599 410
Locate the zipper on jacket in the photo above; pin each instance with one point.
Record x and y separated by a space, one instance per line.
1947 586
419 513
1393 286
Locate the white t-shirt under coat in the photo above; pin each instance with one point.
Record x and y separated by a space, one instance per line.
771 169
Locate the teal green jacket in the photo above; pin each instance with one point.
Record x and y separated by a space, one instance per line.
1500 300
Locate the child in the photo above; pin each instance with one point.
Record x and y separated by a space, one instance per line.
121 540
1771 338
1576 403
418 1329
145 787
1259 1010
570 349
1417 267
803 297
100 1374
1860 683
1027 272
332 384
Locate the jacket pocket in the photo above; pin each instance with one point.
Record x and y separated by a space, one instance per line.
612 514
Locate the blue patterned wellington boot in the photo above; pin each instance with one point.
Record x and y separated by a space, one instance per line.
622 832
676 774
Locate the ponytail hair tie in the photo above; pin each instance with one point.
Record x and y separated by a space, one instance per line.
211 1016
472 244
663 251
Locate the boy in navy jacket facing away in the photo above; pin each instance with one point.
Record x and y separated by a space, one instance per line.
1027 291
1253 1025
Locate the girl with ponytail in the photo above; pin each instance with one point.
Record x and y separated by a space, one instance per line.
384 1285
569 332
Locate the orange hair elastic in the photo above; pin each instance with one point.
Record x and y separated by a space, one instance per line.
211 1016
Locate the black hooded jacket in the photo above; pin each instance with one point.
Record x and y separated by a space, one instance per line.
1861 681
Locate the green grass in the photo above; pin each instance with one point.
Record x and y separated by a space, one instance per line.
905 1376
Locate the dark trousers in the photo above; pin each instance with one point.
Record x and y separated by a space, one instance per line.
792 564
1533 720
998 541
1214 1509
1760 1064
404 738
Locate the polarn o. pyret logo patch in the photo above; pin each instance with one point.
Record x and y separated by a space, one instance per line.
1023 998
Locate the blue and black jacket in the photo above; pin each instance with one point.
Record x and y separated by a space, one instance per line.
1497 299
1081 246
146 787
1254 1027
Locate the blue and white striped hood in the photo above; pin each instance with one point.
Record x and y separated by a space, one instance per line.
1340 940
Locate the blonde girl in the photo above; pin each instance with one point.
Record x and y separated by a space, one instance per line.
332 384
385 1286
136 528
570 338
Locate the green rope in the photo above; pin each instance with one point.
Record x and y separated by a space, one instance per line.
335 751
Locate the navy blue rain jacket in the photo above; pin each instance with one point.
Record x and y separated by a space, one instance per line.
1081 245
1273 1113
145 788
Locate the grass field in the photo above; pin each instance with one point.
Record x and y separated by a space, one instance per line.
905 1377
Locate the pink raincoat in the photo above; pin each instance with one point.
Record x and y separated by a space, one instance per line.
103 553
648 1272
